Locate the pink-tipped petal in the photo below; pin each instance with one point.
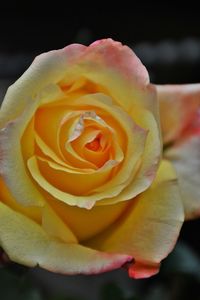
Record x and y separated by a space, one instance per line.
47 69
27 243
118 72
185 156
119 58
139 270
149 229
178 106
180 120
108 63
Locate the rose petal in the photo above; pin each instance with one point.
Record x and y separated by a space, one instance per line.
33 212
180 120
49 153
47 122
87 223
47 69
185 156
96 157
118 72
142 270
178 106
13 170
23 189
55 227
140 181
27 141
27 243
119 57
60 178
149 228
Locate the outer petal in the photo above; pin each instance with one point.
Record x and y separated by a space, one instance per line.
46 69
12 167
180 120
23 189
149 228
33 212
186 159
27 243
105 62
119 58
178 106
116 71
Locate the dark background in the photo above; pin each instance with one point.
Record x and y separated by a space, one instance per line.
40 26
165 37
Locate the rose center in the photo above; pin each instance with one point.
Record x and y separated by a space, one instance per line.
94 145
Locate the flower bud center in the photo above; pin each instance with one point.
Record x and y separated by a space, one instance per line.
94 145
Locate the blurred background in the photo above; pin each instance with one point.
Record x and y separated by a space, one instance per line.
167 40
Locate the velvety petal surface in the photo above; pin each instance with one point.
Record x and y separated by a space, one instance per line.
180 120
117 71
81 127
150 226
106 63
45 71
178 106
27 243
185 156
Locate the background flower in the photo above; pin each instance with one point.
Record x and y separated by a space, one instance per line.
180 121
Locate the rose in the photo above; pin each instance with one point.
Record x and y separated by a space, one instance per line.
180 121
83 186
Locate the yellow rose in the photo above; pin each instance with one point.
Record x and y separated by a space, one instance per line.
83 185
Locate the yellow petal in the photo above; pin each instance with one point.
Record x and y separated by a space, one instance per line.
59 178
149 228
12 166
88 223
25 242
150 159
49 153
55 227
47 122
12 162
47 69
140 181
33 212
117 71
80 201
27 141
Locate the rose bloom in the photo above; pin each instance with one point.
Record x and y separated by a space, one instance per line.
84 185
